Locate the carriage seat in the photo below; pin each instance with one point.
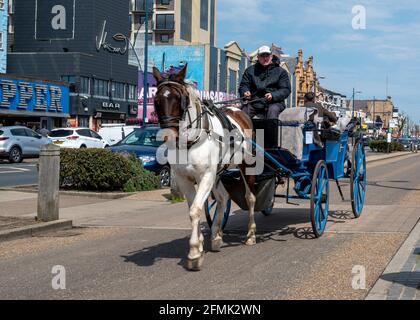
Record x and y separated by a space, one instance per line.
292 122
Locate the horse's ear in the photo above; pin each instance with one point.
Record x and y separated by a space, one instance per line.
157 74
180 77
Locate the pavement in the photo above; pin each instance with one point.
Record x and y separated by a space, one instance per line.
135 248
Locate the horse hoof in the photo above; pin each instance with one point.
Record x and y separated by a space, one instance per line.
195 264
216 245
251 241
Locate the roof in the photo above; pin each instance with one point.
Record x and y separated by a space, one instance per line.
358 104
291 62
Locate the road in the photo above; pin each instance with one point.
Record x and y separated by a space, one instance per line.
25 173
141 255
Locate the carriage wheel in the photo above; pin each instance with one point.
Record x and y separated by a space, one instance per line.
320 198
210 208
358 179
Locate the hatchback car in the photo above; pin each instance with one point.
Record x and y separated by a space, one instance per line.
143 143
17 143
77 138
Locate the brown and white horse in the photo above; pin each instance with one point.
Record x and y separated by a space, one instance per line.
177 101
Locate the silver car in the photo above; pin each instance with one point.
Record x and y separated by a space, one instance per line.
17 143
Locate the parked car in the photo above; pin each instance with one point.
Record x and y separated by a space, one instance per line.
406 142
77 138
114 133
143 143
17 143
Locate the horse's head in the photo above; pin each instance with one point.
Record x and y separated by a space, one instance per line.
171 99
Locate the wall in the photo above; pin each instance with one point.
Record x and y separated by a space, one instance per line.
3 30
178 55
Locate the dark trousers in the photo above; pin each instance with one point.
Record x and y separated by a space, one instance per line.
272 112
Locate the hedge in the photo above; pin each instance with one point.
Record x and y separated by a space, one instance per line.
102 170
382 146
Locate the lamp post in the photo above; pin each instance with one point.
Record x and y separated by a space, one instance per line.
354 93
146 62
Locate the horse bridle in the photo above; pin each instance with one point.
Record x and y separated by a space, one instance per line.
171 121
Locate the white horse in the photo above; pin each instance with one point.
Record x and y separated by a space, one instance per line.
177 101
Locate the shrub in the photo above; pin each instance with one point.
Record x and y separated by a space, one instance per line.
382 146
141 179
103 170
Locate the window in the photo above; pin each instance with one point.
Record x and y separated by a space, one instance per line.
1 4
186 20
100 88
118 90
84 133
164 38
140 5
165 22
132 92
95 135
204 14
32 134
18 132
72 81
165 2
85 85
1 41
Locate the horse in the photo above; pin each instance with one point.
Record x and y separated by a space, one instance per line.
178 101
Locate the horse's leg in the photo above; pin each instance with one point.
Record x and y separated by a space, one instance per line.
249 182
222 198
195 256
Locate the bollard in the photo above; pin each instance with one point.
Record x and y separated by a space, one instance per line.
49 183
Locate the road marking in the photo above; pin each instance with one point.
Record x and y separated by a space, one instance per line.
15 170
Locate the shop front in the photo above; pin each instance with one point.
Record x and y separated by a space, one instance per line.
33 103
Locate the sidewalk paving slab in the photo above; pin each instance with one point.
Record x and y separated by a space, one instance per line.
401 280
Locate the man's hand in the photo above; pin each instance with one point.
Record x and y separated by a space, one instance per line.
269 96
247 94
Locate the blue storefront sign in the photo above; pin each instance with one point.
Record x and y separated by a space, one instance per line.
34 97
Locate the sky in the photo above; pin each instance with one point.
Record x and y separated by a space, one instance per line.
348 51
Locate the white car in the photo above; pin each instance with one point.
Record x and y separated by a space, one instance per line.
114 133
77 138
17 143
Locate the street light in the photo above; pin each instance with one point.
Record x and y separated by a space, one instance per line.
354 93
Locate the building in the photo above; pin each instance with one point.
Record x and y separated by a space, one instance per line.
74 42
175 22
3 34
384 109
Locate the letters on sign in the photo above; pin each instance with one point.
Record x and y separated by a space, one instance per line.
101 42
110 105
55 19
23 95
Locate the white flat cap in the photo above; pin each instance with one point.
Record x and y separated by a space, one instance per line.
264 49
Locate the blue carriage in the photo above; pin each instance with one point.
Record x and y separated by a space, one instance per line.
301 151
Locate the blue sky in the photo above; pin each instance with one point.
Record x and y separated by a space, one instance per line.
347 58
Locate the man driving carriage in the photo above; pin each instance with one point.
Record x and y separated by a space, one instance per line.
266 79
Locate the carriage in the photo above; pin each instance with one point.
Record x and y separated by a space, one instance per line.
301 151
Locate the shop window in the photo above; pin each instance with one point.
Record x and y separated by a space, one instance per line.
118 90
100 88
72 81
85 85
132 92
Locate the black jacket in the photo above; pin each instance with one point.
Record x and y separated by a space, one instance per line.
261 80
